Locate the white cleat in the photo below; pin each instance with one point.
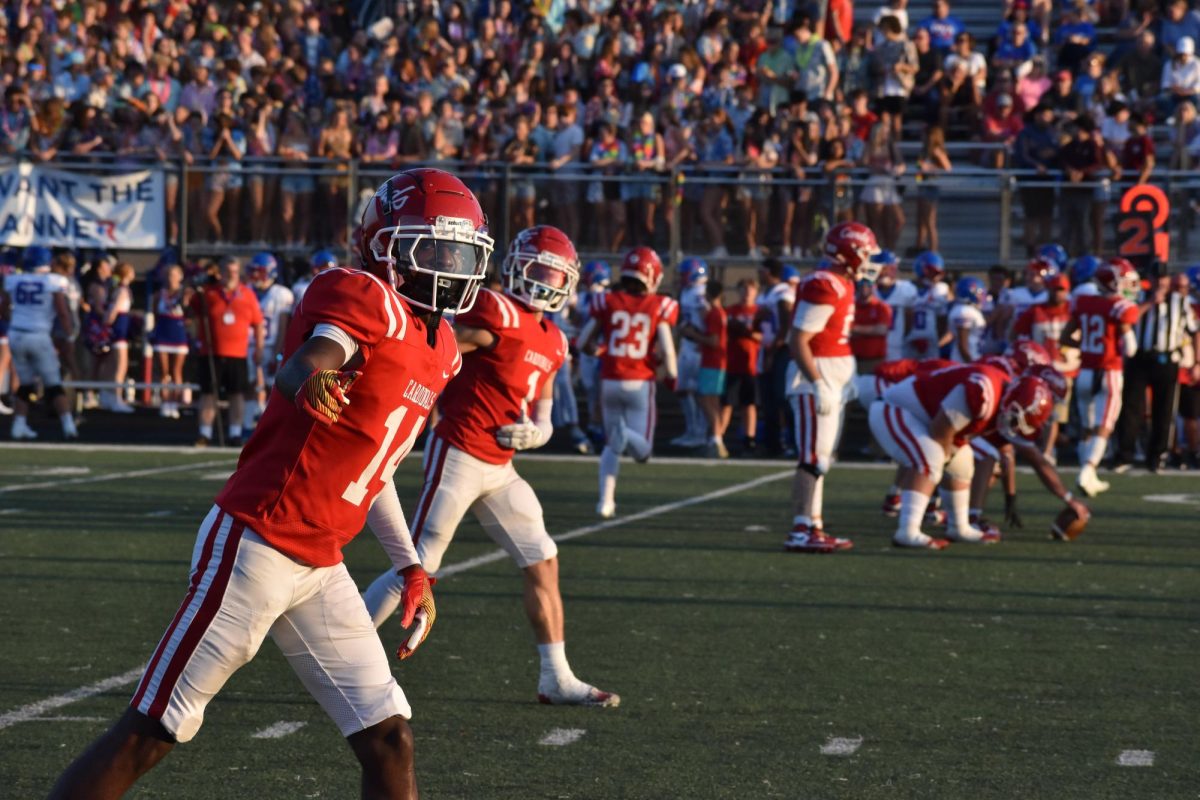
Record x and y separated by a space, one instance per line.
606 510
973 535
23 431
5 410
1089 484
920 541
581 694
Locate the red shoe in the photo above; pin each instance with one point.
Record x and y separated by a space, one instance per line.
804 539
891 505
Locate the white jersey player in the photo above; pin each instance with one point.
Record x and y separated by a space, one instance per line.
966 321
276 302
927 315
1022 298
1083 276
693 307
900 294
320 261
38 298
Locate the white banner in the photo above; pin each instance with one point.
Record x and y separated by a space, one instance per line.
56 208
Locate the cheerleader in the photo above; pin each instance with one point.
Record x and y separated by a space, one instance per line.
170 337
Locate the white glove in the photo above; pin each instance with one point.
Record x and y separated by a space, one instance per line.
827 398
523 435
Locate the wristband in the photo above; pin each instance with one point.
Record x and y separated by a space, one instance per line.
1068 498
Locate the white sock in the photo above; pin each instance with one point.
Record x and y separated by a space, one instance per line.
956 502
912 512
206 431
610 465
637 445
384 596
235 431
554 662
1093 450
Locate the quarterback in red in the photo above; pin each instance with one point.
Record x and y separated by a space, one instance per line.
365 359
925 424
1104 323
500 404
822 374
628 322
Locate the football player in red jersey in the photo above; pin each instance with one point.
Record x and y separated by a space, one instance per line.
502 404
268 558
1044 324
629 322
992 448
925 423
1104 323
822 375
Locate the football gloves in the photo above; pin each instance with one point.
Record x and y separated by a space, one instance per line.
323 394
1011 517
523 435
826 398
417 608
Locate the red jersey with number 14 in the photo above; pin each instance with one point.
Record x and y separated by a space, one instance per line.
628 330
498 384
826 288
306 487
1099 318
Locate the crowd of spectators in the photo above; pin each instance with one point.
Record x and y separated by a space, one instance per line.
725 90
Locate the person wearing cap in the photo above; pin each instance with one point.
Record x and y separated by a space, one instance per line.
1181 75
1002 126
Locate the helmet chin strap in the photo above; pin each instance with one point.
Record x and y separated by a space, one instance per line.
435 322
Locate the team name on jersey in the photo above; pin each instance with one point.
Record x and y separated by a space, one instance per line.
539 361
420 394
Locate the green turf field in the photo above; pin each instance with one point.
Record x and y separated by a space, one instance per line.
1022 670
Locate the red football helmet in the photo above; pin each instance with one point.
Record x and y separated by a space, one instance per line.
1027 352
1002 363
849 247
1118 276
643 264
1055 381
425 234
541 268
1039 269
1024 408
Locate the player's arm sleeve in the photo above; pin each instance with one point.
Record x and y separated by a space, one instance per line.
811 317
387 522
334 333
666 349
957 408
543 410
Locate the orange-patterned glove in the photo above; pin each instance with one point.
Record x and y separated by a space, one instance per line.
323 394
418 607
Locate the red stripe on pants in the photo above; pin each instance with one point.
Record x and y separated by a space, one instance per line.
433 479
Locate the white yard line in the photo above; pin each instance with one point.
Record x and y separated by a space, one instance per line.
561 737
71 447
278 730
838 746
1136 758
35 710
29 712
110 476
69 719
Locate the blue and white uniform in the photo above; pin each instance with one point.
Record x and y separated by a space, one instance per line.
900 296
929 305
33 315
170 330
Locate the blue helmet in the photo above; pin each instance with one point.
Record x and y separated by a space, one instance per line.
596 273
36 256
263 267
790 273
1055 253
692 270
970 290
1084 269
886 258
929 266
322 259
1193 276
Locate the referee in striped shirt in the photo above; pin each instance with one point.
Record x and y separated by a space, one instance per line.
1167 321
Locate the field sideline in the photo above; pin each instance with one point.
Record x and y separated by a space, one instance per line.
1029 669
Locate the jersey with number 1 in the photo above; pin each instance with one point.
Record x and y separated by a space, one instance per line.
306 487
32 299
500 384
628 325
1099 318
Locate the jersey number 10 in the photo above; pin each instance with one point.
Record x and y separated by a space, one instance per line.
356 491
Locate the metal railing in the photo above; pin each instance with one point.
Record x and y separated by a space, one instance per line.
980 218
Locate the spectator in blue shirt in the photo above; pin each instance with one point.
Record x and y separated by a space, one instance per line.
1014 52
1075 39
1179 21
1018 16
943 28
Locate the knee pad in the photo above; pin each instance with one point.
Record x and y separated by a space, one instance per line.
27 393
55 392
961 466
